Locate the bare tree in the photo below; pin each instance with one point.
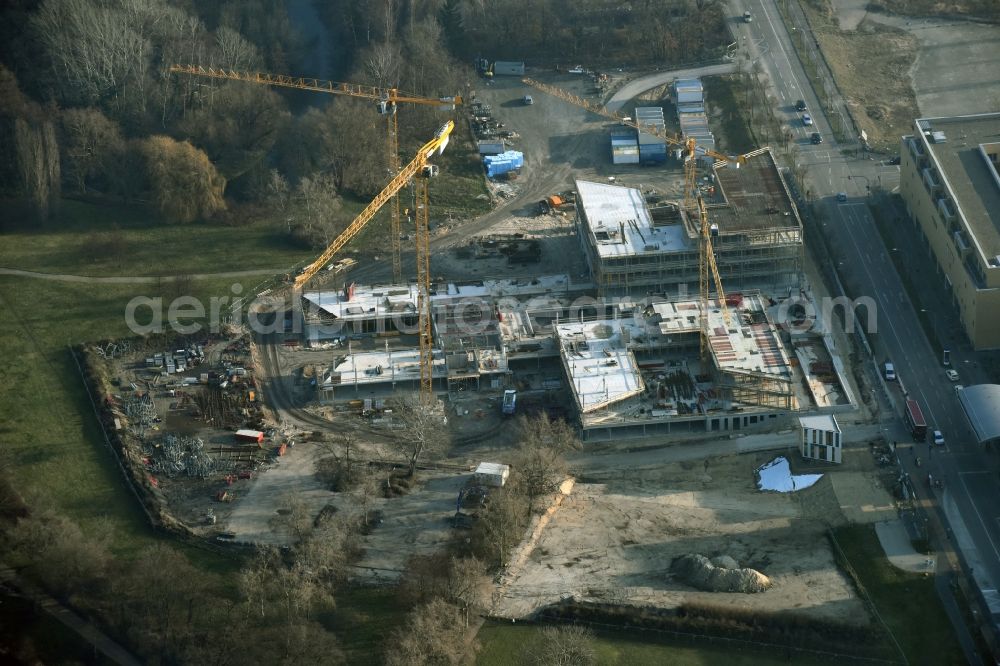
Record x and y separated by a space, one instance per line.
501 524
293 517
566 645
425 429
433 634
460 581
236 52
37 153
382 64
90 145
540 462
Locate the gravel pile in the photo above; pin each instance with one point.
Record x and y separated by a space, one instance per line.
721 574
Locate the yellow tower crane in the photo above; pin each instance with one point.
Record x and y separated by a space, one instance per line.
708 269
690 145
707 265
387 100
420 169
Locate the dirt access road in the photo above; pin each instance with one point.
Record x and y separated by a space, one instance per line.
561 142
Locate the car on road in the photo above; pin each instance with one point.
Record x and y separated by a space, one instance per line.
807 120
747 17
938 438
816 138
951 374
800 105
890 372
841 196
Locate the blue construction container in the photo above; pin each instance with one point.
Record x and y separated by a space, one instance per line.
502 163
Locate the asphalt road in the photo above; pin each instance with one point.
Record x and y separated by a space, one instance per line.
969 472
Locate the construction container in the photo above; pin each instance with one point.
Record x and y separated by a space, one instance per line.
250 436
625 155
492 475
491 147
508 68
651 153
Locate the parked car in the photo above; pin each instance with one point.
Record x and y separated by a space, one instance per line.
841 196
816 138
800 105
894 161
807 120
951 374
890 372
747 17
938 438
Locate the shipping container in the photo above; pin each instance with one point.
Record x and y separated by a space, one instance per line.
625 157
491 147
254 436
508 68
688 85
690 98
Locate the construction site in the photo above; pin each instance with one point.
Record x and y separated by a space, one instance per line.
647 304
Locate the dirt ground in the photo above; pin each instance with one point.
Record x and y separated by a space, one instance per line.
872 65
894 68
614 539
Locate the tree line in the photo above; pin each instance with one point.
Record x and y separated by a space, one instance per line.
89 109
274 605
596 32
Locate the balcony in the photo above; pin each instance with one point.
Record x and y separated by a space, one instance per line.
931 180
947 210
961 243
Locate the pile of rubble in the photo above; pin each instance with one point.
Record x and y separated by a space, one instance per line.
720 574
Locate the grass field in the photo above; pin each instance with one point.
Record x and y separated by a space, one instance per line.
504 645
95 240
906 601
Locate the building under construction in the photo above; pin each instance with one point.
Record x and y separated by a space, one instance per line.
642 371
633 248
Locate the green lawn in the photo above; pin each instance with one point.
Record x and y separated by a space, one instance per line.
48 425
503 645
96 240
906 601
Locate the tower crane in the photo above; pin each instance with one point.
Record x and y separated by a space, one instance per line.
690 145
707 265
708 270
422 171
386 99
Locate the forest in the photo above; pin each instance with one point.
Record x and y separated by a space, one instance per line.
89 110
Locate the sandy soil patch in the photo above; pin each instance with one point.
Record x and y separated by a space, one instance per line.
615 537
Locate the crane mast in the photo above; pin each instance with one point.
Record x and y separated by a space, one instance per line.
387 100
708 270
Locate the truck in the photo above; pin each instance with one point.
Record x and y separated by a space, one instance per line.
915 420
509 402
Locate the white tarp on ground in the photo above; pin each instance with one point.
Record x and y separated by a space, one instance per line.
777 475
